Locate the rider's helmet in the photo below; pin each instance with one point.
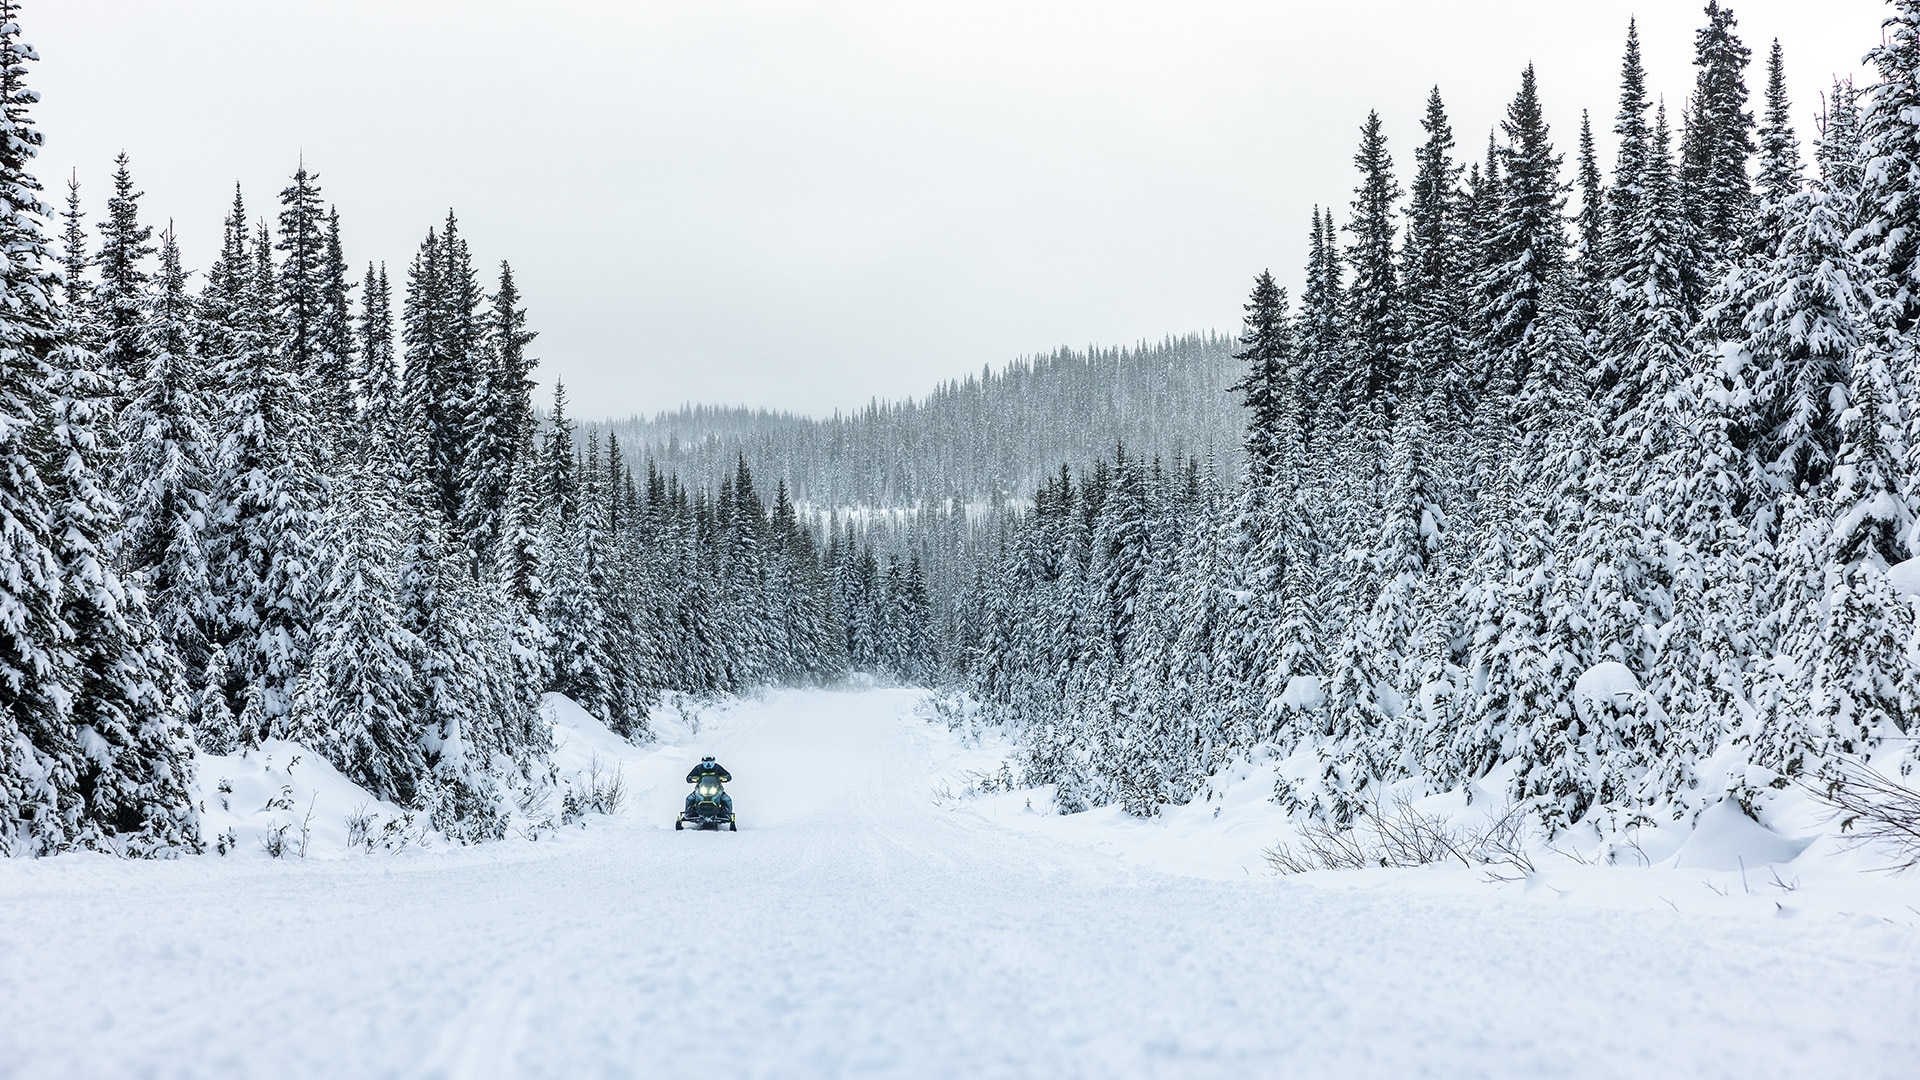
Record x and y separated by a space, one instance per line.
709 757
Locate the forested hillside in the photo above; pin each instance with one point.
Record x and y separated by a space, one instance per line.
1573 486
980 440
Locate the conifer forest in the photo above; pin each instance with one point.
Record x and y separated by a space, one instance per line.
1496 655
1536 419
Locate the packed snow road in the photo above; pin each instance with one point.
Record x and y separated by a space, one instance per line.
855 928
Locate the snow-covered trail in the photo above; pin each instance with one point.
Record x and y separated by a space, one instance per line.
853 927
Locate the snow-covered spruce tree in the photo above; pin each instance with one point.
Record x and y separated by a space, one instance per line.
501 426
1647 327
1889 157
1367 674
1855 685
1837 150
813 646
1804 322
1319 327
358 703
1698 494
1590 227
1780 176
167 469
94 753
302 307
574 573
1630 162
1527 247
118 311
262 549
631 649
124 684
435 392
1247 642
464 360
215 728
1647 317
1529 664
76 290
1374 328
470 711
334 364
1719 140
1433 262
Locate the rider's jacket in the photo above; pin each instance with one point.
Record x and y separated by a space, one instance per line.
709 768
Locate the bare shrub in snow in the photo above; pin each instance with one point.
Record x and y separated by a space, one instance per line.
978 782
360 827
1875 809
535 803
1399 834
306 826
948 708
398 832
604 791
275 841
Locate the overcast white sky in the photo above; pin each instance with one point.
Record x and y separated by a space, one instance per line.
802 205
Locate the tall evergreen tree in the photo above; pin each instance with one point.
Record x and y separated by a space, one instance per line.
334 391
302 308
1780 177
502 423
1630 162
121 296
382 391
263 558
1373 316
1528 246
1890 179
359 700
1433 262
1719 138
92 750
77 291
1837 151
167 472
1591 225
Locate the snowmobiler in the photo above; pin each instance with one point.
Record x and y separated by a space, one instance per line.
708 803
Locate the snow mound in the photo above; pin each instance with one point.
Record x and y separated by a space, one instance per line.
282 800
1905 577
1303 694
1607 683
1727 839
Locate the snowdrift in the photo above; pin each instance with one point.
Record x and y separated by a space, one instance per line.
282 800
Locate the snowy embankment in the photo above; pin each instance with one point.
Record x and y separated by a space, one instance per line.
872 918
1799 863
281 800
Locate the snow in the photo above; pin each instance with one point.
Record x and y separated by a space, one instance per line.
1905 577
281 793
1303 693
1609 682
1724 838
881 913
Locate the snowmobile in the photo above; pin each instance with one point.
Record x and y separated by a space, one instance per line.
708 804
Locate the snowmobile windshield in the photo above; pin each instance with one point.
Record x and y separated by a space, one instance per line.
708 787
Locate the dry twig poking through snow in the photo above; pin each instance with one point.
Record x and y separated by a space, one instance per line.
1875 808
1401 835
